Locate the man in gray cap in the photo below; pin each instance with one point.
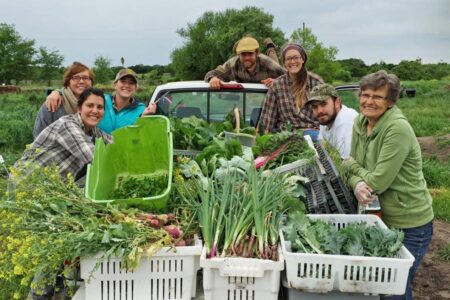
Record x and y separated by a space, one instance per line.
249 66
335 119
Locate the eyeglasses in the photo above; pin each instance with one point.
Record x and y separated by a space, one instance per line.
293 58
79 78
374 97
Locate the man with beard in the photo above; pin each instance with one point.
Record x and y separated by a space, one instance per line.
335 119
249 66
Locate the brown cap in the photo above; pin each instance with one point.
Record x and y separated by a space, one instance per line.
126 72
247 44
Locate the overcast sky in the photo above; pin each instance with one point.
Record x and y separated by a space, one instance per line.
144 31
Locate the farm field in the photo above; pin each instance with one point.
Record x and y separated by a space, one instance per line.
428 113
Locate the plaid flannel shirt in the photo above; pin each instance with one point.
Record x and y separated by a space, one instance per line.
234 70
65 144
279 106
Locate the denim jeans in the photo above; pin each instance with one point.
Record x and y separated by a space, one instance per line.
313 133
416 240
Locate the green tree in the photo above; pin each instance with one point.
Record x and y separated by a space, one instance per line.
102 69
436 71
409 70
49 63
380 66
355 66
16 55
209 41
321 59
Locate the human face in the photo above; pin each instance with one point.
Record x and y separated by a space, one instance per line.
92 111
373 103
293 61
326 111
125 87
79 82
248 59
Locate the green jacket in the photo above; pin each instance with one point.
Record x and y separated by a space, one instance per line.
389 160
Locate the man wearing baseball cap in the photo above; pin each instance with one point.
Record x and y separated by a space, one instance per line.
249 66
335 119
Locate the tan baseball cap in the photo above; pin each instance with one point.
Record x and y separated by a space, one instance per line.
247 44
126 72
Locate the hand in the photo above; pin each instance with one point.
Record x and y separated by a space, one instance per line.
53 101
363 193
215 83
267 82
150 109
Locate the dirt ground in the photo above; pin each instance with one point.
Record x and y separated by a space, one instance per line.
433 277
436 146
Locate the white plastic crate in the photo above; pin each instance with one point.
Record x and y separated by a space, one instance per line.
354 274
166 275
239 278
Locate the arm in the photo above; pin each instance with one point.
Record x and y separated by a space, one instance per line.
394 150
150 109
73 139
53 101
269 113
223 72
43 119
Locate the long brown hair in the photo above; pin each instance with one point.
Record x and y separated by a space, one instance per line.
300 83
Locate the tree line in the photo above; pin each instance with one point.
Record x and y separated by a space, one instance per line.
208 42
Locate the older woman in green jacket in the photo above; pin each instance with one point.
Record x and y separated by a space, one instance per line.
386 161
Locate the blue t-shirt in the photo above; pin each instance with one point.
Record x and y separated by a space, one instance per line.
114 119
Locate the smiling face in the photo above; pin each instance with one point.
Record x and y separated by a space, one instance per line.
326 111
373 103
92 111
293 61
79 82
248 59
125 87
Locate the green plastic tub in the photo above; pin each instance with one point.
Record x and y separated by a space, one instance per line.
139 150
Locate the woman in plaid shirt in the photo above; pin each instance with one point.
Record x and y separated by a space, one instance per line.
285 101
68 143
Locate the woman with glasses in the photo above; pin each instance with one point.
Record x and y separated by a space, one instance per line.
285 101
76 79
385 160
121 108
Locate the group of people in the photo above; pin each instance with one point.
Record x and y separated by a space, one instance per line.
380 150
71 119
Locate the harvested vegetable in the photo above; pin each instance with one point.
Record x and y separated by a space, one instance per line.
357 238
46 220
142 186
239 214
294 147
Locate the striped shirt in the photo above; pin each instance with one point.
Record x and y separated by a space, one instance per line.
65 144
234 70
279 107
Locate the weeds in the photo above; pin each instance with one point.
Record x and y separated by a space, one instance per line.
444 252
437 174
441 203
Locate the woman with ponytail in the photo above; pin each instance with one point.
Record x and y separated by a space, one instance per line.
285 101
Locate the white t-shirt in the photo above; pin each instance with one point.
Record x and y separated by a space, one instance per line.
340 134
